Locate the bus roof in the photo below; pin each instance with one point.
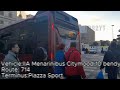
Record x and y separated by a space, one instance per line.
62 12
39 12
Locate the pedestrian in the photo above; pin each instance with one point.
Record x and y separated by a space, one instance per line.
12 57
118 57
1 59
102 50
40 55
60 58
110 57
83 49
87 51
73 55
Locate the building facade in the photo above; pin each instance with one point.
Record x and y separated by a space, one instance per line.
7 18
21 15
87 35
11 17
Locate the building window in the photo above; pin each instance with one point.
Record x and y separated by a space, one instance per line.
1 12
1 22
10 14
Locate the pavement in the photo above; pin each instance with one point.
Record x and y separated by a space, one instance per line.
92 70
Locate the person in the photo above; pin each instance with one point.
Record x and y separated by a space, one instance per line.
73 55
40 55
102 50
87 51
1 59
60 57
118 57
110 56
12 57
83 49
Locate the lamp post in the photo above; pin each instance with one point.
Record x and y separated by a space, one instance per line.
112 32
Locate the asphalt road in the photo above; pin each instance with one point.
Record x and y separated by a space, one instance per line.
91 63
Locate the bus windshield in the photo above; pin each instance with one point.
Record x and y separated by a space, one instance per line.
67 36
67 33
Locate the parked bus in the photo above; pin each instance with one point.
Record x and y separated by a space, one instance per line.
49 27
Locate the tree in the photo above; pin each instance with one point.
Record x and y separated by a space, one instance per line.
105 43
95 43
118 39
118 36
102 43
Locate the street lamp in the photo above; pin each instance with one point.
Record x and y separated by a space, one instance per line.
112 32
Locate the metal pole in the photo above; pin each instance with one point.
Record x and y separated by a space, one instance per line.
112 32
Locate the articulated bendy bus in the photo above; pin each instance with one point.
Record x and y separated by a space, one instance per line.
48 27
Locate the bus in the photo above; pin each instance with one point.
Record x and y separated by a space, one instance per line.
47 27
